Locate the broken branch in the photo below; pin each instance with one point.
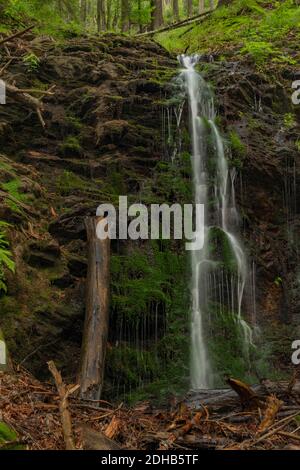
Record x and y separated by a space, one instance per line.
63 393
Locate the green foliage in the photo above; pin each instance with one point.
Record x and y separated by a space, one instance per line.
289 121
13 188
68 182
5 256
148 289
6 433
259 50
256 27
31 62
227 350
237 147
70 147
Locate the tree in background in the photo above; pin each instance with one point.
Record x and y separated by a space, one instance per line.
175 9
156 14
125 15
189 7
128 16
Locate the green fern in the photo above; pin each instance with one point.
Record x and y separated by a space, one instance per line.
6 260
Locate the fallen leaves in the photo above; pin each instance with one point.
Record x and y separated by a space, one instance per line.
228 421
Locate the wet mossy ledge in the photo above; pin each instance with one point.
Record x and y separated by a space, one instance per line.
107 135
104 137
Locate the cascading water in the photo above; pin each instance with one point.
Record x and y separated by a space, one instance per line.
216 193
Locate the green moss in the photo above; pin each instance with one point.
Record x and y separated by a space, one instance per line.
6 261
221 250
238 149
289 121
148 294
70 147
74 123
68 182
256 28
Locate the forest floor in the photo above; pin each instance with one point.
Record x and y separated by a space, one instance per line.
264 417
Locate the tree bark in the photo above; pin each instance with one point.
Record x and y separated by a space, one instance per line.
95 333
156 14
83 10
65 415
125 14
101 22
189 7
201 6
175 9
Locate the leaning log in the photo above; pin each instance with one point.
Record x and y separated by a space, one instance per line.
178 24
95 332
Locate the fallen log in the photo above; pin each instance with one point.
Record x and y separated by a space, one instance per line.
178 24
95 333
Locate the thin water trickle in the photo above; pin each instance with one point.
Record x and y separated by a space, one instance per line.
222 214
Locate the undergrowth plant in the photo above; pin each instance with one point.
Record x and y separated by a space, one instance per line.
6 260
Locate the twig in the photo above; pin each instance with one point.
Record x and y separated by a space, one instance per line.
63 406
5 66
32 102
289 434
109 413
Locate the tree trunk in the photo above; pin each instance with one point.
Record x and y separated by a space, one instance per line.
140 16
156 14
125 10
175 9
201 6
108 15
101 23
95 333
189 7
115 20
83 10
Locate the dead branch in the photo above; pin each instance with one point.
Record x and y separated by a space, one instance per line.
178 24
63 406
273 406
17 35
29 100
5 66
94 341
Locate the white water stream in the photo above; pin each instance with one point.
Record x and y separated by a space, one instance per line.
222 215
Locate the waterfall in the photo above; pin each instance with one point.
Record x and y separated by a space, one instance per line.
213 185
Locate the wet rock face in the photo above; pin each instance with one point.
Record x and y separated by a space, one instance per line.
264 128
102 138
